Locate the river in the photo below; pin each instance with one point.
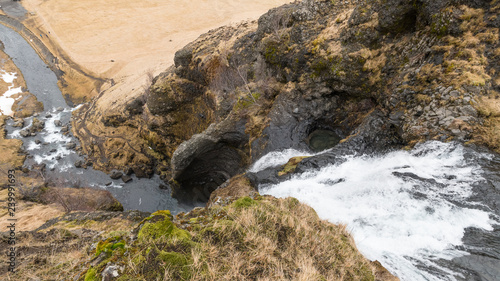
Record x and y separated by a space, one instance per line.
50 145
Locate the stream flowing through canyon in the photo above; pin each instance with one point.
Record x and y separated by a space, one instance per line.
54 149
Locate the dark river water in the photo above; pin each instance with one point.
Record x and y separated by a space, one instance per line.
52 150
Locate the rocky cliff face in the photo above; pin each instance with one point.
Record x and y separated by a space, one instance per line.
373 74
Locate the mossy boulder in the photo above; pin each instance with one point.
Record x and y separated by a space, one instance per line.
291 165
159 224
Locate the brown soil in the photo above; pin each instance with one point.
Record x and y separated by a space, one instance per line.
123 40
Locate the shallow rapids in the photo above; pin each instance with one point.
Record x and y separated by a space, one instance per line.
407 209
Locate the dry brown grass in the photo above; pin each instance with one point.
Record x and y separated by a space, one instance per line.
247 239
57 253
489 133
81 199
279 239
29 215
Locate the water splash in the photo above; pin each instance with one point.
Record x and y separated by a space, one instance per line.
278 158
405 209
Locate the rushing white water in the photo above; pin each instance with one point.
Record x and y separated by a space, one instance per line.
399 207
278 158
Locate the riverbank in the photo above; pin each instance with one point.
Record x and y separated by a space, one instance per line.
105 44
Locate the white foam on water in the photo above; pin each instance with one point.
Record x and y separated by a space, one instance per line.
52 132
64 167
278 158
32 146
16 134
397 220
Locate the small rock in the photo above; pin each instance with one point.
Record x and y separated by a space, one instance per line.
70 145
78 164
60 108
58 157
116 175
53 150
58 123
25 170
48 115
455 94
109 183
468 110
65 129
162 186
140 173
24 133
128 171
18 124
38 141
111 272
37 125
126 178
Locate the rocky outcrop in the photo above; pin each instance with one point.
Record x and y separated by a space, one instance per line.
375 75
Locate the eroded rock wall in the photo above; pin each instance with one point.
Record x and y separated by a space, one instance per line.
419 70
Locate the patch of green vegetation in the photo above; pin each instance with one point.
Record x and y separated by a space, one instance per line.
244 202
246 101
91 275
292 202
271 53
109 245
159 224
440 24
274 50
327 66
173 258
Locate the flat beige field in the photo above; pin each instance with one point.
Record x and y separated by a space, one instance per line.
123 39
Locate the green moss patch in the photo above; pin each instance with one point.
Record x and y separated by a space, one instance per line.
244 202
91 275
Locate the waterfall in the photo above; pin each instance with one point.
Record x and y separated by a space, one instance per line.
406 209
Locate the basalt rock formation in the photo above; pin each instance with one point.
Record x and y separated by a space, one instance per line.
373 74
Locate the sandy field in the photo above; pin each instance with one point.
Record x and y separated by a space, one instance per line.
124 39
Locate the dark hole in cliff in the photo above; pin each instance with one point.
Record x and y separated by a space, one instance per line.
321 139
409 22
206 173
